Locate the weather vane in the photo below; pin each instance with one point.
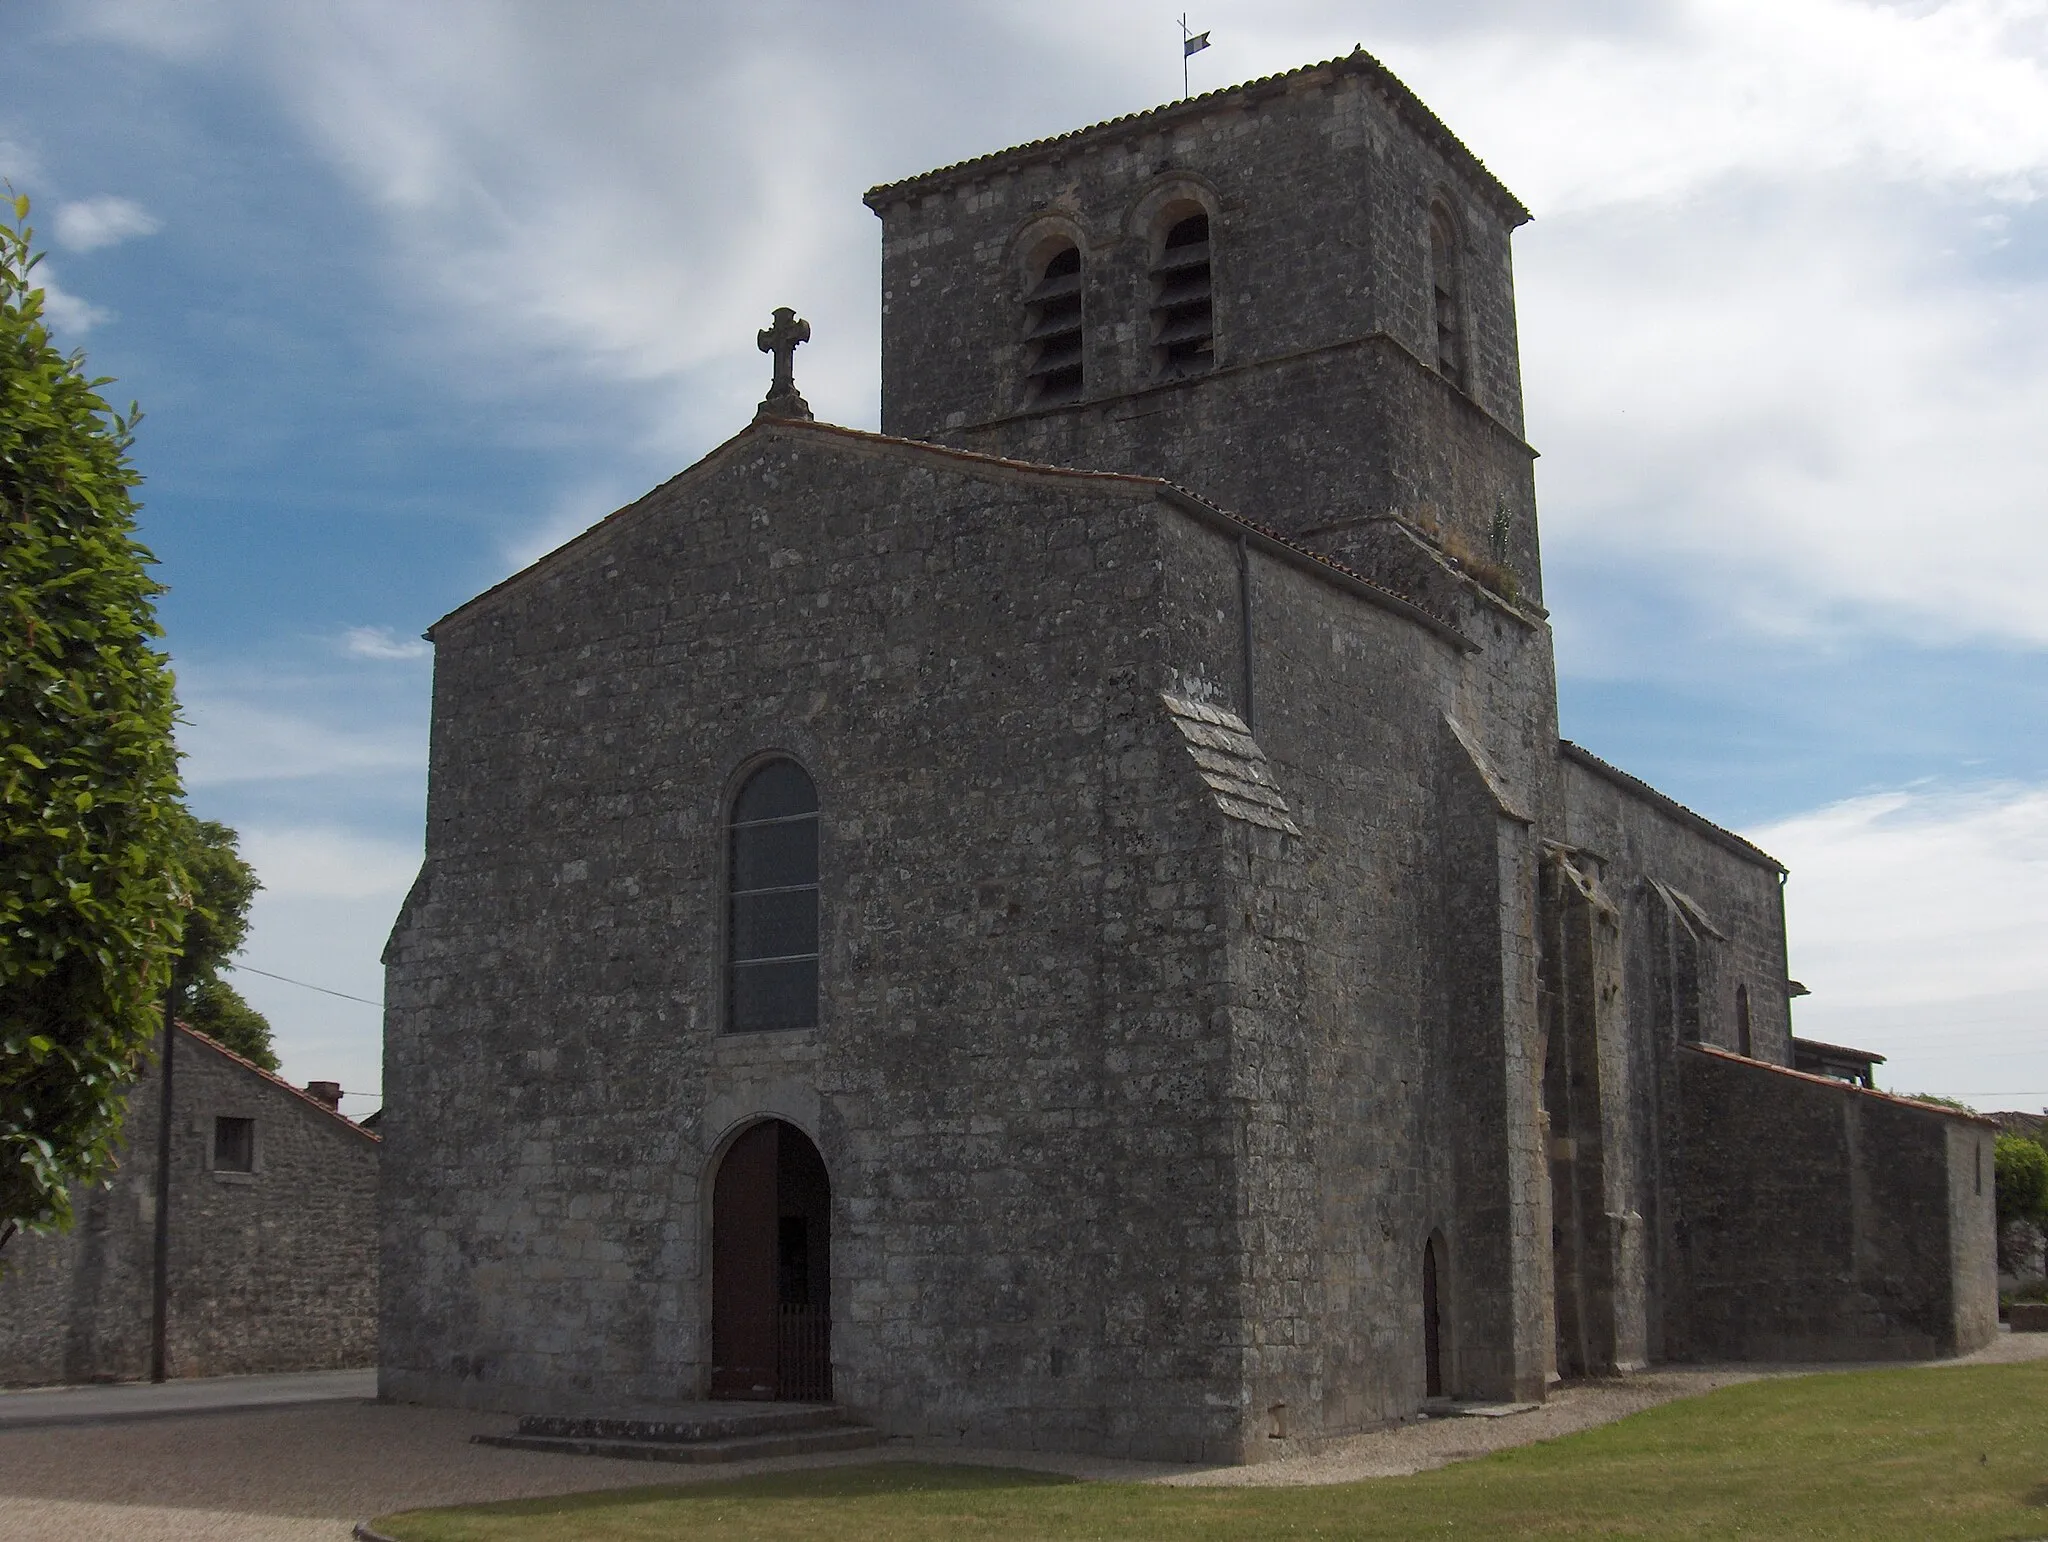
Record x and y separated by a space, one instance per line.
1191 43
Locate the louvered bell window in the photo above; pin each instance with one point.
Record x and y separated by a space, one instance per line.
1183 304
772 927
1052 331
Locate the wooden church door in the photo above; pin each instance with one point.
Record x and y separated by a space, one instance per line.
771 1287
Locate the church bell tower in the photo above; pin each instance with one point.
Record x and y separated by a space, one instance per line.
1293 297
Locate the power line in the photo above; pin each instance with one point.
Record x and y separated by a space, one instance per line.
323 990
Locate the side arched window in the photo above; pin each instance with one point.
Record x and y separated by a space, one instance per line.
1183 301
772 924
1052 330
1446 280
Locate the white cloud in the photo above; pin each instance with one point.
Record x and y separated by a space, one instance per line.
382 644
65 311
322 861
1793 398
1935 93
328 900
1915 917
228 740
96 222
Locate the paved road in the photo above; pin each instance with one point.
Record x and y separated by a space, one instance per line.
305 1472
210 1394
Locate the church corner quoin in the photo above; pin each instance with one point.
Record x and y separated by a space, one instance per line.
1112 959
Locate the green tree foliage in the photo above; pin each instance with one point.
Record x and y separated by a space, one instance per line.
2022 1180
222 885
91 882
217 1010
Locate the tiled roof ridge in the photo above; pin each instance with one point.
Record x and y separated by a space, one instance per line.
1398 92
271 1076
1719 1053
1669 804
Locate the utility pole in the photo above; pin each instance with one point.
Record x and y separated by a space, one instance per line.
160 1283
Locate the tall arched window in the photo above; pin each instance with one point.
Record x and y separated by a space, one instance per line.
772 925
1447 285
1183 300
1052 329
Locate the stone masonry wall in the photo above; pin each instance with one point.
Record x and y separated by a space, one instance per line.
1379 1106
1680 983
1819 1221
273 1270
1018 1085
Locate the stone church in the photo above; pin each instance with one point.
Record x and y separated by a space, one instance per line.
1068 922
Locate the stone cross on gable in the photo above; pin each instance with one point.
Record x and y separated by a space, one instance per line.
781 339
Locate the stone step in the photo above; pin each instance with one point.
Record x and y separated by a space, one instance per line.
723 1423
839 1436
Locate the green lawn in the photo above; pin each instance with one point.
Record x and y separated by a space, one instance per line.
1911 1454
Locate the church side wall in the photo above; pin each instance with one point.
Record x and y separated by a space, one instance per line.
1635 841
1018 1084
1359 1091
1630 841
273 1270
1823 1222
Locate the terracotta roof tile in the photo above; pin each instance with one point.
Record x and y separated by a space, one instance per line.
1840 1086
271 1076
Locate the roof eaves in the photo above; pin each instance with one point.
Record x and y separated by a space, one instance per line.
1263 536
547 559
1717 1053
1726 839
1844 1051
1404 101
1267 539
274 1079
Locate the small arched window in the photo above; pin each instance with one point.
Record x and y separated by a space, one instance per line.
1446 278
1052 329
1183 301
1744 1039
772 923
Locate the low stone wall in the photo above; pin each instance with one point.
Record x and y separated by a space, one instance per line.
1821 1221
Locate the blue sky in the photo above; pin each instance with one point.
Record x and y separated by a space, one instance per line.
411 293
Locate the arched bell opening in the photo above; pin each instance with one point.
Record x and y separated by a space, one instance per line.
771 1268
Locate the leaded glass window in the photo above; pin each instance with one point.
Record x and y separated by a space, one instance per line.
772 925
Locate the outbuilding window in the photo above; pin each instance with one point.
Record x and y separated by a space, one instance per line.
234 1145
1052 330
1183 301
772 921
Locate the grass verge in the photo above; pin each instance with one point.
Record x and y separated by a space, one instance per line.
1927 1455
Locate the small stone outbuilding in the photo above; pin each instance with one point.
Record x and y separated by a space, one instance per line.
272 1257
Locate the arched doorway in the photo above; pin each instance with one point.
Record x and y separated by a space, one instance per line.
771 1268
1432 1319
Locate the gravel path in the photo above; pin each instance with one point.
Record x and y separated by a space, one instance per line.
306 1474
